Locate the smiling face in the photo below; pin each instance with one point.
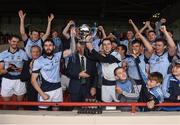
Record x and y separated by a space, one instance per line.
121 74
35 52
107 46
176 70
34 35
151 36
14 42
136 48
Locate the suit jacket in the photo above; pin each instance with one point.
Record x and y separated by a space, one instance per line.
73 70
25 74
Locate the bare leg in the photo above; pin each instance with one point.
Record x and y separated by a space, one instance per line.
6 99
20 98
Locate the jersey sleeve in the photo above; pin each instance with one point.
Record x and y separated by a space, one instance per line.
24 55
2 57
36 66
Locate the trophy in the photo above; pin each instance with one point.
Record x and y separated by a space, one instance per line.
85 31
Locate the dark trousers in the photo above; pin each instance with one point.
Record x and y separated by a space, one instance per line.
81 95
32 96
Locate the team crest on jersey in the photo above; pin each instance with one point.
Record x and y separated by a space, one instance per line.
18 58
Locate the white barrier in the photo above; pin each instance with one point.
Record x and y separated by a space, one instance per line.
62 118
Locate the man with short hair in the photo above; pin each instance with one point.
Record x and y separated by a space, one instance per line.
109 61
11 63
48 67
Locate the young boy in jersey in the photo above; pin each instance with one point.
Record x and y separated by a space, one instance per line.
126 88
171 84
34 38
152 93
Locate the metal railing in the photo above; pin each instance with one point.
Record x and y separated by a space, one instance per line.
133 105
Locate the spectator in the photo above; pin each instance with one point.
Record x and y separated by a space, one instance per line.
161 59
127 90
57 41
171 87
152 93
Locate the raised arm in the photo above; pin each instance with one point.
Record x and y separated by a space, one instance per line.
170 41
48 30
102 31
73 43
72 49
66 29
145 42
147 25
158 26
143 28
133 25
22 27
148 46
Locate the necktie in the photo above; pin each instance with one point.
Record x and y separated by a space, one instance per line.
83 80
141 74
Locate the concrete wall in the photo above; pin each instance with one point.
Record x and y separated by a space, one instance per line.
72 118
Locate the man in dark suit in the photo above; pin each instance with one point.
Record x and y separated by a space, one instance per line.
31 94
83 75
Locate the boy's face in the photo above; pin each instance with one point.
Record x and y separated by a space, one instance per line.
151 36
152 83
107 46
136 48
121 74
130 34
34 35
159 47
176 70
120 50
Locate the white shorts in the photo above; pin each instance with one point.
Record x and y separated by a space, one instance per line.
10 87
109 94
54 96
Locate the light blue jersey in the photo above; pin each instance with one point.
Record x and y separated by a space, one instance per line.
49 70
126 85
17 59
157 92
132 68
160 63
29 43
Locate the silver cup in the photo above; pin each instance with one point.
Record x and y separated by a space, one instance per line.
85 31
